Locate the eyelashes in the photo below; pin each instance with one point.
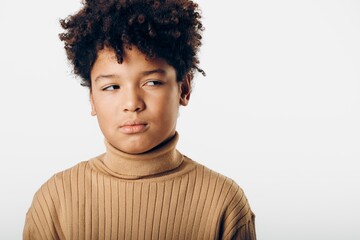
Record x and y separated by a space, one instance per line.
153 83
111 88
148 83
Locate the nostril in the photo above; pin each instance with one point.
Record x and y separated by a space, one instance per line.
133 109
133 102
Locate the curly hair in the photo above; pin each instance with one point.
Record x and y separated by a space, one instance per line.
167 29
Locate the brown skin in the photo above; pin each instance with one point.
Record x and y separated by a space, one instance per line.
136 102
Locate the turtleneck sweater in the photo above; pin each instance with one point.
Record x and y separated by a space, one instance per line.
160 194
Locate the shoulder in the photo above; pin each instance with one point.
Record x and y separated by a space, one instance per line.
236 207
49 203
208 174
50 192
64 178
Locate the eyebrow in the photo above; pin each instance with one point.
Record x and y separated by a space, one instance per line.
158 70
144 73
104 76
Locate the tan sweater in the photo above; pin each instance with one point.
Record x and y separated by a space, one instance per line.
160 194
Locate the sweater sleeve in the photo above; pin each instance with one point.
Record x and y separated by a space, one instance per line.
30 230
246 231
41 219
238 220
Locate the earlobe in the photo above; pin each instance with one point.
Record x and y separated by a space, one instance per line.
93 110
185 89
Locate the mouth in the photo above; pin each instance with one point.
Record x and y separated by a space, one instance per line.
131 127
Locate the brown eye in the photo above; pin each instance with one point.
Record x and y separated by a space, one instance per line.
111 88
153 83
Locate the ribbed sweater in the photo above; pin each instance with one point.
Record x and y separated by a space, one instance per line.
160 194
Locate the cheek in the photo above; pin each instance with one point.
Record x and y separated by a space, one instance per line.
168 110
105 113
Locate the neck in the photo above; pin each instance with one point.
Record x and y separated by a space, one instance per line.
160 159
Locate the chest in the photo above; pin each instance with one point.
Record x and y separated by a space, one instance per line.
98 207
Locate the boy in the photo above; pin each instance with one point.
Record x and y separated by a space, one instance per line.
138 59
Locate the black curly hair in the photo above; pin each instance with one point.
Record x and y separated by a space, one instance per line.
167 29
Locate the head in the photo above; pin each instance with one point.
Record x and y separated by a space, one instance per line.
138 59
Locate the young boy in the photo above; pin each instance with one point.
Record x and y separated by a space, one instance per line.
137 58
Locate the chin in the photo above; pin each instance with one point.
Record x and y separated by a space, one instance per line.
133 149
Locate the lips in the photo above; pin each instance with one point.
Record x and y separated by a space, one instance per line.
133 126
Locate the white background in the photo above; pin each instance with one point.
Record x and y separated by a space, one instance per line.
278 112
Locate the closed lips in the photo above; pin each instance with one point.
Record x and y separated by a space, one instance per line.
130 127
133 123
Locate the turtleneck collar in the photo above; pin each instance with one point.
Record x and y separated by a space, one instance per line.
134 166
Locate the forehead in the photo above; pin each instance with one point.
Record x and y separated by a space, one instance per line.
131 56
134 62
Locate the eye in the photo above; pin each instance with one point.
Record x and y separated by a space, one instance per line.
153 83
111 88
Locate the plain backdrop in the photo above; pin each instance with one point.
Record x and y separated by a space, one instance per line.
278 111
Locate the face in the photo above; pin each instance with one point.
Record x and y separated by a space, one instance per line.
136 102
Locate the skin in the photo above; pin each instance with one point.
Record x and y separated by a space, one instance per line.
136 102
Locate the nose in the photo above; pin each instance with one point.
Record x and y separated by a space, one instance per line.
133 101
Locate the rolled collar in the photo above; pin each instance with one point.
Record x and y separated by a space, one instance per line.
134 166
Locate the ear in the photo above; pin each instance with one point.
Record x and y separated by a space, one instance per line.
185 90
93 110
